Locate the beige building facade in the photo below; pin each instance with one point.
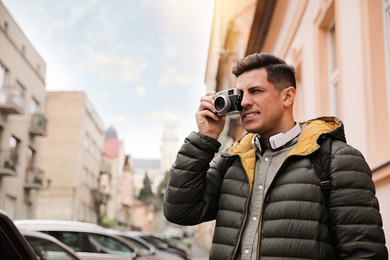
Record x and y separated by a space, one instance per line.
22 120
71 158
341 52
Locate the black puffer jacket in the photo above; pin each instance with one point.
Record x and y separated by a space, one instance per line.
295 224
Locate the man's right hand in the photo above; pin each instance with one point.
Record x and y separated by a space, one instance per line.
208 122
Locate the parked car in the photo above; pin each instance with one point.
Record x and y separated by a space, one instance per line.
145 247
162 243
84 238
49 248
13 245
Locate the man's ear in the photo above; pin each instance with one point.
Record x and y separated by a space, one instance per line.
289 96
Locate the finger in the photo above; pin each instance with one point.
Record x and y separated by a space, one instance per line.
206 113
207 102
210 92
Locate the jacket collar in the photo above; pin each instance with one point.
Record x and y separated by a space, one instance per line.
307 141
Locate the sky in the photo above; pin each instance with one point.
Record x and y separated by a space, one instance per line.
141 62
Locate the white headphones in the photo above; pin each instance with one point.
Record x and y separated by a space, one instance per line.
278 140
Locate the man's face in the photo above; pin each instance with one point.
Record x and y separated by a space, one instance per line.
262 103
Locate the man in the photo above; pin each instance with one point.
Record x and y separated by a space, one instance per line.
263 191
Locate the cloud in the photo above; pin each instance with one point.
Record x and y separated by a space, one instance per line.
60 79
113 67
79 11
172 77
170 51
119 120
165 116
140 91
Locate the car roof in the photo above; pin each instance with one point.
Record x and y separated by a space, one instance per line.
57 225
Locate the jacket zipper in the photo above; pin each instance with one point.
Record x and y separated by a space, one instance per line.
246 212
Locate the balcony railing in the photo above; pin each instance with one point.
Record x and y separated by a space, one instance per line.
100 197
11 100
34 178
38 124
8 163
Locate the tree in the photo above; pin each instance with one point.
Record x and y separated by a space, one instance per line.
146 193
163 185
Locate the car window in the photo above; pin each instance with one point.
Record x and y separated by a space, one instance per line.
155 241
143 248
70 239
48 250
107 244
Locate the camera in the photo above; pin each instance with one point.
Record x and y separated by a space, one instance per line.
228 102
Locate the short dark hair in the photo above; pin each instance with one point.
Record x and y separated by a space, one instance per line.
279 73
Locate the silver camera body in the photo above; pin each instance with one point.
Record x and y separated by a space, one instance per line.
228 102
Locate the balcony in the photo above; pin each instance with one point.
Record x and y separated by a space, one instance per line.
8 163
100 197
11 100
38 125
34 178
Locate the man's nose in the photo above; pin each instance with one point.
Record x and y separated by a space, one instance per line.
245 101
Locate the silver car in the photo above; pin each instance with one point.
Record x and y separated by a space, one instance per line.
84 238
48 247
144 246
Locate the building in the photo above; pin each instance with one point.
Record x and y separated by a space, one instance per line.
169 147
22 120
116 182
71 158
341 52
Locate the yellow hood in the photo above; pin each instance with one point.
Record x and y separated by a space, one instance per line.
307 142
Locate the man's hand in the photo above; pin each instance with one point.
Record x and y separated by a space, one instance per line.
208 122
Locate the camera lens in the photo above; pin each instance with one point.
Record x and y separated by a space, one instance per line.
220 103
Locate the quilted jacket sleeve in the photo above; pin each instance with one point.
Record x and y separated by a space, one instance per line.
193 189
355 220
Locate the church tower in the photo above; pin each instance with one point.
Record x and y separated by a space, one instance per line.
169 147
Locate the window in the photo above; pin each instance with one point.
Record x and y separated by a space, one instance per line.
70 239
3 83
34 106
333 70
3 75
299 108
12 157
47 249
30 153
9 206
27 210
108 244
386 6
5 27
17 95
83 212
